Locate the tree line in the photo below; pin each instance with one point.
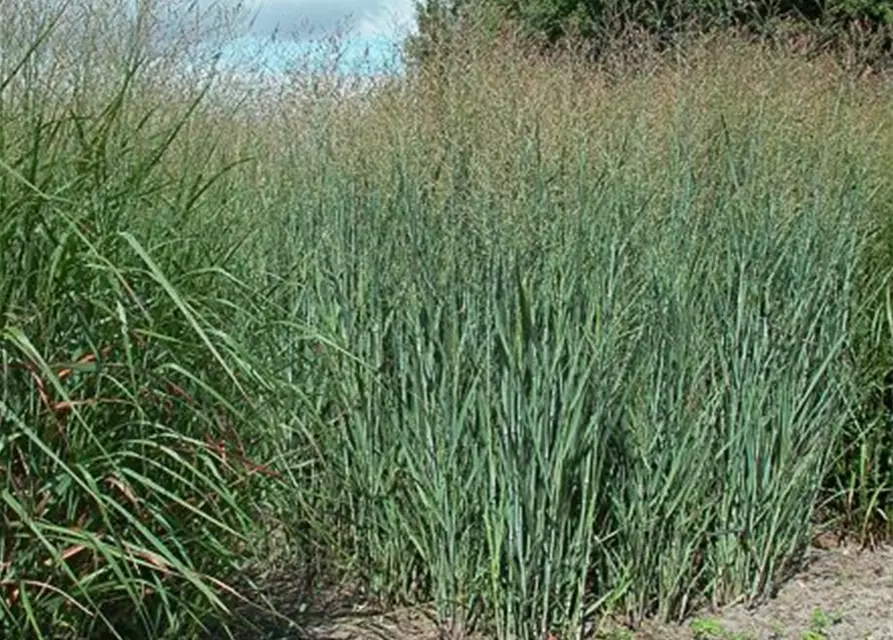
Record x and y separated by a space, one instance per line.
549 22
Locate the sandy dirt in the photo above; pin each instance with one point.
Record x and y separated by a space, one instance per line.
843 593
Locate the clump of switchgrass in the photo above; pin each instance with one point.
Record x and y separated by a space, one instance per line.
589 341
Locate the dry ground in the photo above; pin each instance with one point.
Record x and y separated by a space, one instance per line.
843 593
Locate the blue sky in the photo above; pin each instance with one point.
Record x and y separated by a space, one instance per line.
371 32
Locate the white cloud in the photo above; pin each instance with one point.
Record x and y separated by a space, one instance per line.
369 32
359 17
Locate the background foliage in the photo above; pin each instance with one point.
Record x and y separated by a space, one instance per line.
599 21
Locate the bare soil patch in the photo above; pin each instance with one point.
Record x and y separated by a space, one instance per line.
843 593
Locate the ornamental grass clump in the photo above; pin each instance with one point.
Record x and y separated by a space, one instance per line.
529 340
